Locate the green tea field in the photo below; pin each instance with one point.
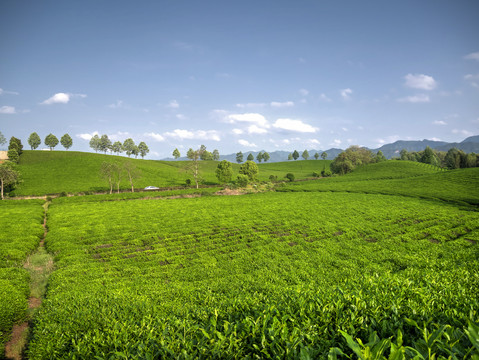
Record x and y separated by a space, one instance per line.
382 263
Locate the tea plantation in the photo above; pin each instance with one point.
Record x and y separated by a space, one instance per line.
379 264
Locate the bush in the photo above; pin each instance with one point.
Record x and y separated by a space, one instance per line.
326 173
188 182
13 155
316 174
242 180
290 176
273 178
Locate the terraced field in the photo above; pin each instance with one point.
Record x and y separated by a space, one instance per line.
273 275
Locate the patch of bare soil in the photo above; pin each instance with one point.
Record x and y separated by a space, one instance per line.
229 192
11 350
34 302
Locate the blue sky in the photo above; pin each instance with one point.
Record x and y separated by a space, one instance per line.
240 75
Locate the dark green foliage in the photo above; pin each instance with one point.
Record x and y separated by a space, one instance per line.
305 155
95 142
104 143
250 157
266 156
295 155
66 141
259 157
51 141
176 153
143 148
16 144
239 157
351 158
242 180
380 156
290 176
13 155
129 146
428 157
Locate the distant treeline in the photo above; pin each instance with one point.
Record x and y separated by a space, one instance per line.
452 159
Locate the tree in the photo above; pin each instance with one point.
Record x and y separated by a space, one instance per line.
290 156
239 157
324 155
8 176
266 156
13 156
428 157
453 159
3 141
16 144
404 154
216 155
206 155
34 140
107 172
105 143
259 157
224 171
295 155
129 146
143 149
135 151
242 180
380 156
117 147
250 157
95 142
66 141
250 169
305 155
316 156
193 168
51 141
176 154
349 159
132 173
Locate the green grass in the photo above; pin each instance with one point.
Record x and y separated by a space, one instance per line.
54 172
272 275
402 178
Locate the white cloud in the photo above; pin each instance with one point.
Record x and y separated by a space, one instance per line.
323 97
462 132
7 110
254 129
237 131
173 104
346 93
181 117
474 79
294 125
277 104
155 136
119 135
336 142
246 143
193 135
61 98
314 142
117 105
472 56
87 136
421 98
251 105
439 122
8 92
256 118
420 81
304 92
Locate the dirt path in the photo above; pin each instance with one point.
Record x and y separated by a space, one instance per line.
40 265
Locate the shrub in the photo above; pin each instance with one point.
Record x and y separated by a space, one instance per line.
242 180
326 173
316 174
290 176
273 178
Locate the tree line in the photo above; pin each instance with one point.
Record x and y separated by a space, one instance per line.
129 147
305 155
452 159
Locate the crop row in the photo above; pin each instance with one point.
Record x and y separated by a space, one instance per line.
20 233
265 275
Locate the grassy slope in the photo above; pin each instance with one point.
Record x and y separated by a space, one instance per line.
402 178
73 172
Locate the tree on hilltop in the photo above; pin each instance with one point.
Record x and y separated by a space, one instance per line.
176 153
305 155
66 141
129 146
239 157
316 156
250 169
143 148
16 144
324 155
216 155
259 157
266 156
295 155
349 159
117 147
250 157
95 142
105 143
51 141
34 140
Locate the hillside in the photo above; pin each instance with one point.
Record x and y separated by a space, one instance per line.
402 178
54 172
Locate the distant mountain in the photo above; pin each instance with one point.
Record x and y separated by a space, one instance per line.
471 144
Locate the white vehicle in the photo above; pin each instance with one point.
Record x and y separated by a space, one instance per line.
152 188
